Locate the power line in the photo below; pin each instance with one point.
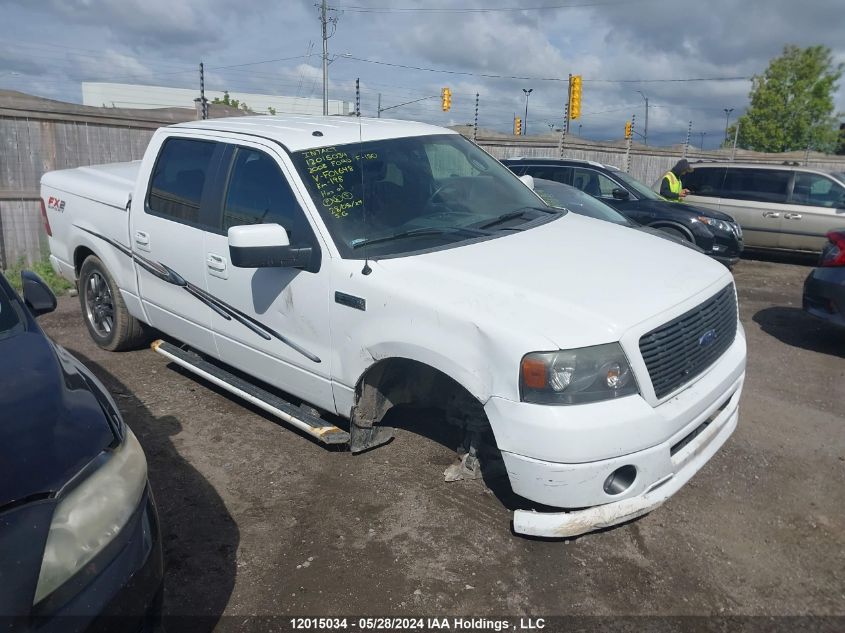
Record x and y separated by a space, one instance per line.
558 79
552 7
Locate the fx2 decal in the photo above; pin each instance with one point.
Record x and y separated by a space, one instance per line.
223 309
54 204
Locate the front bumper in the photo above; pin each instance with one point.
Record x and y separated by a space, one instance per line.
562 456
120 590
824 294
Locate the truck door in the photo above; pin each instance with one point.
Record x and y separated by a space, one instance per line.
166 235
817 205
281 334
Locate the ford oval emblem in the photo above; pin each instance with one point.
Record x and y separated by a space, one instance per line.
708 338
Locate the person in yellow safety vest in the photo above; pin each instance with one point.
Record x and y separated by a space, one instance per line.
671 187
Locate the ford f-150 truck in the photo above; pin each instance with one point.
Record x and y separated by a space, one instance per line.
356 265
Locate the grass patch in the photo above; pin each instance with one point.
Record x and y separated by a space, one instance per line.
43 268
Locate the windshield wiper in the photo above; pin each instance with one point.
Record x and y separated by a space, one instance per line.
512 215
420 232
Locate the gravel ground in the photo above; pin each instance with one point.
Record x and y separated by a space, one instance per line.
259 520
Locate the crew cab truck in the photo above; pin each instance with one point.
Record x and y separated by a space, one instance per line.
359 264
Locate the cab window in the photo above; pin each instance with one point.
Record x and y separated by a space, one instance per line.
558 174
258 193
178 179
817 190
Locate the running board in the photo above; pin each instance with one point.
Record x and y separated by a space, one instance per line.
315 426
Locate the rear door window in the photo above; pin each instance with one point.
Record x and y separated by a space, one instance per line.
179 178
558 174
817 190
761 185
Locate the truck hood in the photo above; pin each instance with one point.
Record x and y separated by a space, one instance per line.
575 281
667 206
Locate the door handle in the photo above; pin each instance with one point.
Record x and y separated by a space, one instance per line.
215 262
771 214
142 240
792 216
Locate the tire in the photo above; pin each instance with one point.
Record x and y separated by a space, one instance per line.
104 311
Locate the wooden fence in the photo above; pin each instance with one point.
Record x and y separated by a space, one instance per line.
39 135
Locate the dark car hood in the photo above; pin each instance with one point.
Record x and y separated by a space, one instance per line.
667 206
51 422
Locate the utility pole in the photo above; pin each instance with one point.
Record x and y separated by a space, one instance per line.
475 124
323 21
727 122
357 96
645 125
702 140
525 120
203 102
379 105
736 137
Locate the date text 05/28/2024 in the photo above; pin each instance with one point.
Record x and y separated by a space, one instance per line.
416 624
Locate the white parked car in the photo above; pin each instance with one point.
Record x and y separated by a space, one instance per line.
360 264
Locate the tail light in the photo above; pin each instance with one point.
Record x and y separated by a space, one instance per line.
834 252
46 220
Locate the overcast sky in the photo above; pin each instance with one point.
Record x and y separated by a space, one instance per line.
50 48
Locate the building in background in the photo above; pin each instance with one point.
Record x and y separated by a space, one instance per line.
143 97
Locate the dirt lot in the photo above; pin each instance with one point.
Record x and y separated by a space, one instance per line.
258 519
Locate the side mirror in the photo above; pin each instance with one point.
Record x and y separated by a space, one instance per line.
265 246
620 194
37 294
528 180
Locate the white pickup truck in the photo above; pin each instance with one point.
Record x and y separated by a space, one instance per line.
359 264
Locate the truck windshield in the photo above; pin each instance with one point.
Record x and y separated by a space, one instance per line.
404 195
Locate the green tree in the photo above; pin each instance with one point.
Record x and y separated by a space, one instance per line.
792 103
228 101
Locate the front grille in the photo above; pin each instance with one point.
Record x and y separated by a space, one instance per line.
683 348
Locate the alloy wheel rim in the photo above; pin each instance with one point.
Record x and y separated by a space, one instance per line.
99 304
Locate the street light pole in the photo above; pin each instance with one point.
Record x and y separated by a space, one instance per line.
727 121
702 139
645 125
525 120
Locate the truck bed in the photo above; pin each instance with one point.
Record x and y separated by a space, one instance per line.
109 184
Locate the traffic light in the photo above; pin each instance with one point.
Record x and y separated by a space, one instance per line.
446 98
575 97
629 132
517 126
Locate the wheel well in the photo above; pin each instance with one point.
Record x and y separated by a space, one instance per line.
79 256
395 381
678 227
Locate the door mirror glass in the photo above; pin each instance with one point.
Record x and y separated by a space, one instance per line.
37 294
265 246
620 194
528 180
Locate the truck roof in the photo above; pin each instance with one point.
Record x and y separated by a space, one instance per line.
300 132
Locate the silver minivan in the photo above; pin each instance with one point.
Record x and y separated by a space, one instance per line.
778 206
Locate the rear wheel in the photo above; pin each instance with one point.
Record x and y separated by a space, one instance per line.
104 311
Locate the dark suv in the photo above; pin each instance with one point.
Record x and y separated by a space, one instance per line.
716 233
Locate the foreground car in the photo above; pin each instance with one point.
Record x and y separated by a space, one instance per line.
716 233
824 289
79 535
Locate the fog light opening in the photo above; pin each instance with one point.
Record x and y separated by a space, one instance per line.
620 480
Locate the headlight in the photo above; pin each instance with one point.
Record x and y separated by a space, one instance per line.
576 376
720 225
89 516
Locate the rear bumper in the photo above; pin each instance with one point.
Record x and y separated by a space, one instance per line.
824 295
